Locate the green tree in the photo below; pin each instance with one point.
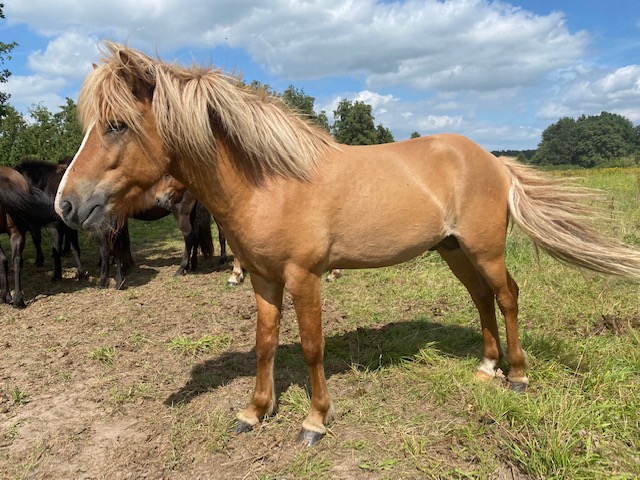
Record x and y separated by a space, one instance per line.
13 146
589 141
5 50
47 136
603 138
354 125
303 104
69 129
383 135
415 135
558 143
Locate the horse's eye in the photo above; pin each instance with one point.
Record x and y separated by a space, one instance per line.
116 127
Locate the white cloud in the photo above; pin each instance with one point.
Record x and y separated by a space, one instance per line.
67 56
379 103
591 91
24 89
459 44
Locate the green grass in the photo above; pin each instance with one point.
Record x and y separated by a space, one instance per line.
184 345
401 348
104 354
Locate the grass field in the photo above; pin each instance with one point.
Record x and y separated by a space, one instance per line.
401 347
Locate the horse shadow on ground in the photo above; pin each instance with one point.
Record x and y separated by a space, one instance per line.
363 348
165 257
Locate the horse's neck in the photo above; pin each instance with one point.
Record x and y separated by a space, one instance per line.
222 187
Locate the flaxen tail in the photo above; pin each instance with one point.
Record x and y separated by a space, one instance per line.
553 213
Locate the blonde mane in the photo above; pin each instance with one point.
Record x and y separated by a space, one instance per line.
195 107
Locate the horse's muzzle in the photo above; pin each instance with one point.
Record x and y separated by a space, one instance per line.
89 215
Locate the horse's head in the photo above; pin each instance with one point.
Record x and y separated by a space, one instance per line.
122 154
168 191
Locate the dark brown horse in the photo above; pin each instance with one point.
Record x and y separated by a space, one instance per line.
46 176
22 208
167 197
293 203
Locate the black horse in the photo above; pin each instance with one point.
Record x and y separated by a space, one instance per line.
22 208
193 219
46 176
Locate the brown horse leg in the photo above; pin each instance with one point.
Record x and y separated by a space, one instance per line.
223 244
17 246
71 236
36 236
56 252
5 293
505 288
305 290
484 300
105 245
269 303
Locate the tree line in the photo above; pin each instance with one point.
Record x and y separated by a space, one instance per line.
604 140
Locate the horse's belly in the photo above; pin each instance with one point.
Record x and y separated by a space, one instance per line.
378 247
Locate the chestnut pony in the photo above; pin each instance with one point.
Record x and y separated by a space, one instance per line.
293 203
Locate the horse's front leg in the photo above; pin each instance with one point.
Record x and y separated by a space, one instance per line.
105 245
17 246
56 251
305 290
71 236
269 303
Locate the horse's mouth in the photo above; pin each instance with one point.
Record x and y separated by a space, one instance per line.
95 217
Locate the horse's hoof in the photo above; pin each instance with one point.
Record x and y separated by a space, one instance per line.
309 438
518 387
232 284
242 427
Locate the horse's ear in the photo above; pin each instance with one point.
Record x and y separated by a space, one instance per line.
137 76
94 65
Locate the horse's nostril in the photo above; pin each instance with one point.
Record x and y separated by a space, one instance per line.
65 207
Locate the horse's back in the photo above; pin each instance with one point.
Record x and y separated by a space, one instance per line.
11 178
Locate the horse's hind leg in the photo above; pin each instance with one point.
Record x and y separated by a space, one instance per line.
495 272
5 293
36 236
484 300
237 274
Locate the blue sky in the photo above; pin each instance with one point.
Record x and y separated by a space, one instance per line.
497 72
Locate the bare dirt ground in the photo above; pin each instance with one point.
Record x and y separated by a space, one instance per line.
111 384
